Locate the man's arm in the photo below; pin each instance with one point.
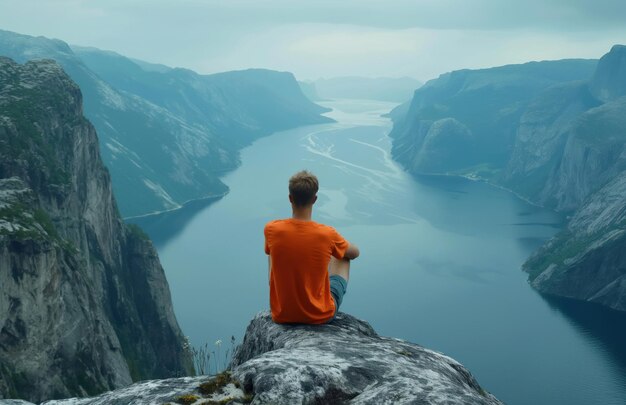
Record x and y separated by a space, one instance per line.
352 252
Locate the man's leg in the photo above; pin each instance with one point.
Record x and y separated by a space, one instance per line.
339 267
338 272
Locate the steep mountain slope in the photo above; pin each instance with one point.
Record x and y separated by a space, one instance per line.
309 90
487 103
587 260
168 134
565 149
609 80
84 304
237 106
542 134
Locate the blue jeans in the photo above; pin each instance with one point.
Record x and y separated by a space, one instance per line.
338 286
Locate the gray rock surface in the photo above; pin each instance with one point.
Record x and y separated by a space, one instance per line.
446 147
84 304
155 392
346 361
594 153
588 260
543 132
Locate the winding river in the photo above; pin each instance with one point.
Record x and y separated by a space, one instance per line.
440 263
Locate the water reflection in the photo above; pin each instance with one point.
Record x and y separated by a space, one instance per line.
605 328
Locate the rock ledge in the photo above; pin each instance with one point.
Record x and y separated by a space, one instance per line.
346 361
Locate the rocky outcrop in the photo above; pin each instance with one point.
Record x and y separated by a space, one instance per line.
588 260
84 304
343 362
346 361
168 135
440 146
185 390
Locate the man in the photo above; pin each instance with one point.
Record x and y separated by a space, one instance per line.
309 263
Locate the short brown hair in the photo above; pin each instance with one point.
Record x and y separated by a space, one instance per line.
302 188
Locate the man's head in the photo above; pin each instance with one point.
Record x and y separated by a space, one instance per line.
303 188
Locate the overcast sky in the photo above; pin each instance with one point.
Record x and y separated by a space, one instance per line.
325 38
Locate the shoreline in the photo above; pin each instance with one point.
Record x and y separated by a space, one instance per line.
474 178
228 171
180 206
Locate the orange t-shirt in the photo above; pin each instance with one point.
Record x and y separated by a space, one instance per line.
299 286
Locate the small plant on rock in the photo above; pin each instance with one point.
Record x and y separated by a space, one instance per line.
187 399
212 386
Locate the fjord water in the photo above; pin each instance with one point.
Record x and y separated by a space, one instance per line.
440 263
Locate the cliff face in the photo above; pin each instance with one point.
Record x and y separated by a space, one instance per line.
167 135
585 174
542 134
588 260
344 362
84 304
609 81
568 152
486 104
568 146
438 146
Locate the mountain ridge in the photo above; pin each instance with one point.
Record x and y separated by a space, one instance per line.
560 146
168 136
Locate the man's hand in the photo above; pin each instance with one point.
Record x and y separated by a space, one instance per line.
352 252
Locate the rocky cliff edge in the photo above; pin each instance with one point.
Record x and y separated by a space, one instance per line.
344 362
84 303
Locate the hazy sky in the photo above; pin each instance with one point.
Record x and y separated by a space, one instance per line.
324 38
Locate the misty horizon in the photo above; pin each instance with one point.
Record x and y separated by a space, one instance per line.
326 40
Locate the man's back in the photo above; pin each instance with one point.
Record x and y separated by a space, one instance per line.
300 252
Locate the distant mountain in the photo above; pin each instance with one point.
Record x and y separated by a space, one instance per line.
84 303
380 88
167 135
609 80
487 103
309 90
555 133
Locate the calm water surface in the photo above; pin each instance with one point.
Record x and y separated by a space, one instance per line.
440 263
